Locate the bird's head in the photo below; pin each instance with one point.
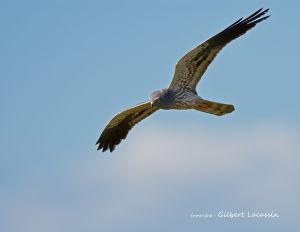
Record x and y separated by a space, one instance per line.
162 98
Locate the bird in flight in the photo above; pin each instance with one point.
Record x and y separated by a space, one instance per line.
181 94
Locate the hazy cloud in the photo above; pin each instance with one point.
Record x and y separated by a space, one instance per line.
158 166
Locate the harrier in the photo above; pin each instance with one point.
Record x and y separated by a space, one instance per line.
181 94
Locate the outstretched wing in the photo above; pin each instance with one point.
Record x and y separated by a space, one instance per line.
191 67
119 126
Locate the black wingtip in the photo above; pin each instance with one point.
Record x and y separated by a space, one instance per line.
99 147
112 148
250 21
255 17
104 147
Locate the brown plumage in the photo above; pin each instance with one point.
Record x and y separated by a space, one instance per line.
181 93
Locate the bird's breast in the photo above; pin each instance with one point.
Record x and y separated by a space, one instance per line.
184 99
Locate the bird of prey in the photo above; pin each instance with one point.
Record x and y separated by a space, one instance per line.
181 94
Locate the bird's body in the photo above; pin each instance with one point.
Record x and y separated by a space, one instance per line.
178 99
168 99
181 94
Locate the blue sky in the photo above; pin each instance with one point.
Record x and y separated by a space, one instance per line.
68 66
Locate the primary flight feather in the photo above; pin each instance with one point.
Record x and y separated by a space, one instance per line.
181 94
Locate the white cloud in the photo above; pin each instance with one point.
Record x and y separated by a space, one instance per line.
201 151
262 160
259 162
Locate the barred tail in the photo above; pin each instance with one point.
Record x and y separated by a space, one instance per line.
215 108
